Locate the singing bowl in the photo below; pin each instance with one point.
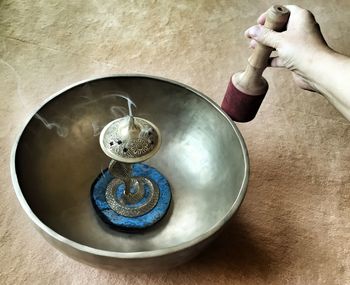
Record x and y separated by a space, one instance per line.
57 157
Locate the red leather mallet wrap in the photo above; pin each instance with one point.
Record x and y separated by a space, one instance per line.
246 90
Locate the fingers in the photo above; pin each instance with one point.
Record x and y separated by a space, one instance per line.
276 62
262 18
252 31
263 35
293 8
252 44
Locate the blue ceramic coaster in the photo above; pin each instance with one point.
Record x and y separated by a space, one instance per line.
98 198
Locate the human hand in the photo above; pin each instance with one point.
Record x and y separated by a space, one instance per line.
298 48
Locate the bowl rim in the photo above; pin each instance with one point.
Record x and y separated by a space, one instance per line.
137 254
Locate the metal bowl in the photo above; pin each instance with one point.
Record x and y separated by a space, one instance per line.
57 157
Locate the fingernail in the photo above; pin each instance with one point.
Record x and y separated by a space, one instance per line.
254 31
252 44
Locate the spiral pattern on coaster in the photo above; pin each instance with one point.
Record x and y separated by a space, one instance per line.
133 197
120 205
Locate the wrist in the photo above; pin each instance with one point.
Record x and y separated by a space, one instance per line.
317 66
330 76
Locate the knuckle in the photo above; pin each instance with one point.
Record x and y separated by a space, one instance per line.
307 14
269 38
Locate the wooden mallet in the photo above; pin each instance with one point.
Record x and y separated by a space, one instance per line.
246 90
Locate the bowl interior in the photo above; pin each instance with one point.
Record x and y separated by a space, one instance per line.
58 157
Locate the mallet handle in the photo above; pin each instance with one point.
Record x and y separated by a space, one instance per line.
251 81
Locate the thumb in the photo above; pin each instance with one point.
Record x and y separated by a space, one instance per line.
264 36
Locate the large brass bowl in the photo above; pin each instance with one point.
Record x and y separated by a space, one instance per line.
57 157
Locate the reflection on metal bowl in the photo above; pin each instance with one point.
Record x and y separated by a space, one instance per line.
57 157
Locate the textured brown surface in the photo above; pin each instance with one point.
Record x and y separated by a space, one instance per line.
294 225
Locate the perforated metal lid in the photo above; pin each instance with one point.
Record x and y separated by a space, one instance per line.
130 139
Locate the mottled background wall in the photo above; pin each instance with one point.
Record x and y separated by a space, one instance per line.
293 227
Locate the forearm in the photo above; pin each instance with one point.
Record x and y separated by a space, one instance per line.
331 76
